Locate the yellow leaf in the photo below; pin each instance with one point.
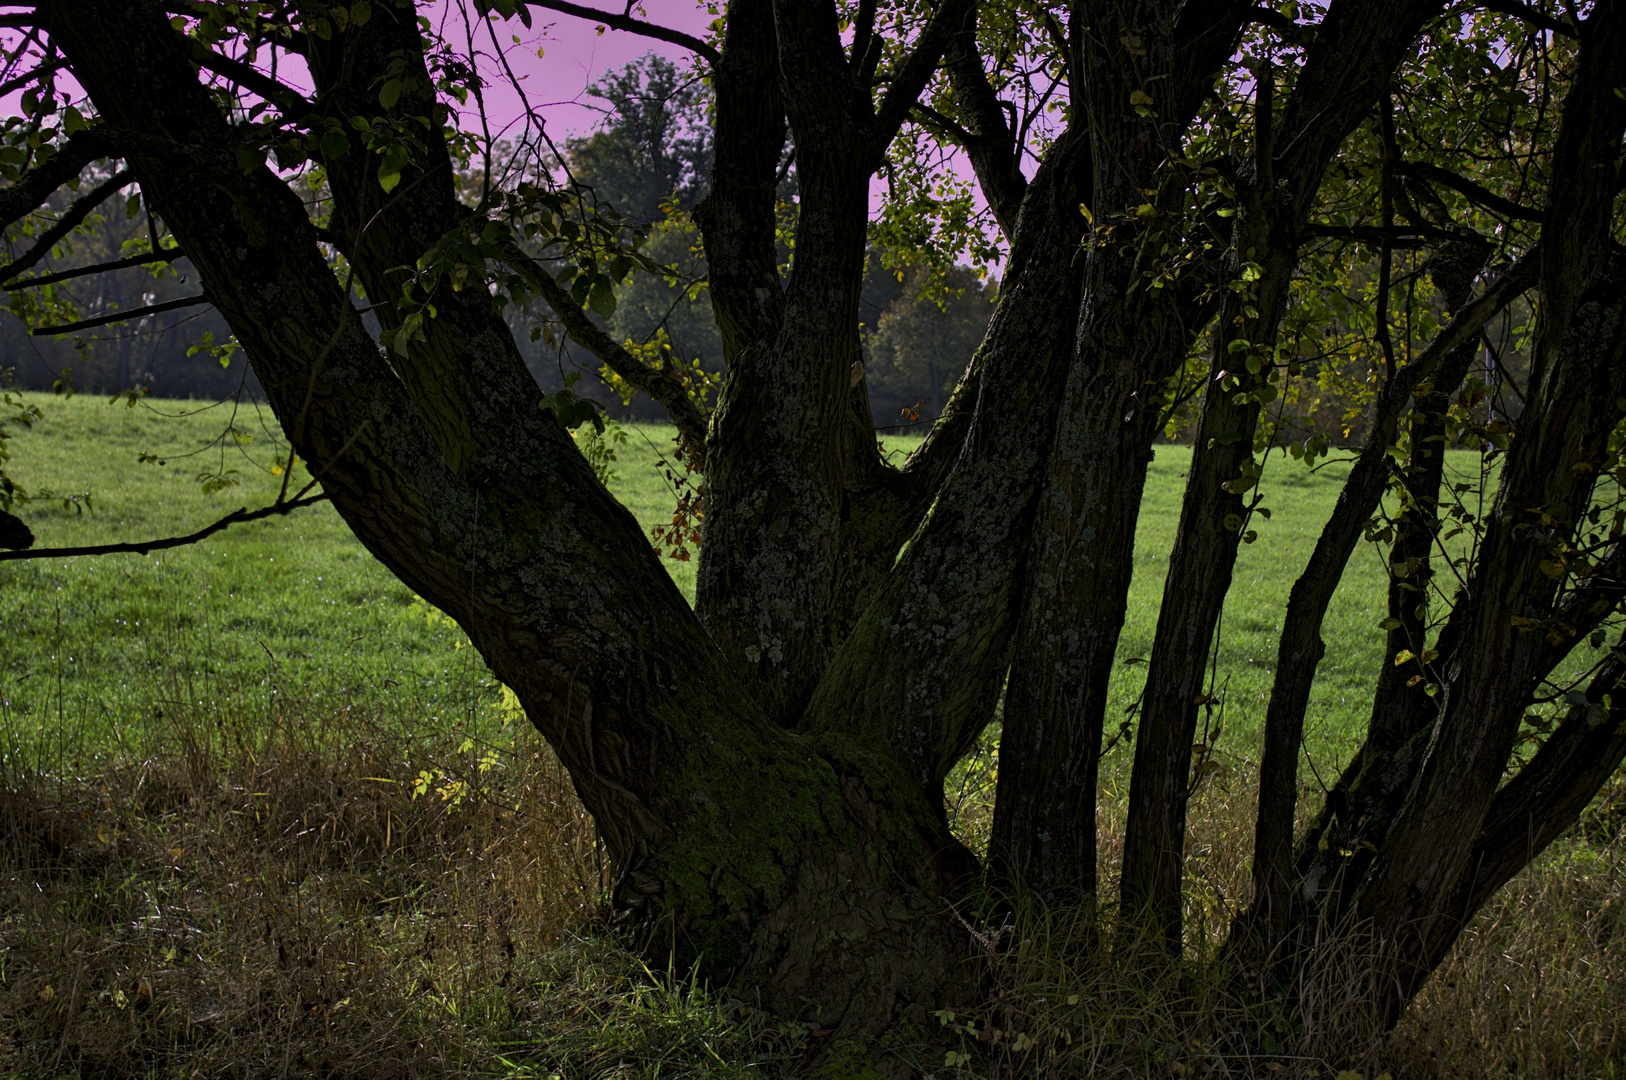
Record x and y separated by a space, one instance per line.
1140 97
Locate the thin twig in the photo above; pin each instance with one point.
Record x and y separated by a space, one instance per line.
142 547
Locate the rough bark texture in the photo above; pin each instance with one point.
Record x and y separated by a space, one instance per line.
1131 337
923 666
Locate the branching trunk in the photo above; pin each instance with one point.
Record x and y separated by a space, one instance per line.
1300 648
766 768
487 510
925 663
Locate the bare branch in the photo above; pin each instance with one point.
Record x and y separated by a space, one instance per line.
120 316
632 26
65 224
142 547
1472 191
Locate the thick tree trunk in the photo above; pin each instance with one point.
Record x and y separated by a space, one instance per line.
1351 59
1200 566
835 902
1133 335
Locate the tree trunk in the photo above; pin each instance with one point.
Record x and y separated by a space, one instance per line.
488 511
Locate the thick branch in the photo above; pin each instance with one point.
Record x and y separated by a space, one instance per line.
247 76
1396 236
1547 796
1524 12
69 221
11 86
917 68
631 26
662 387
987 137
142 547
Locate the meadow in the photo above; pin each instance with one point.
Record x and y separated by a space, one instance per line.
262 812
295 606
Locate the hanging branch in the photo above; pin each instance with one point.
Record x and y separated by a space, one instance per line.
120 316
142 547
69 221
167 255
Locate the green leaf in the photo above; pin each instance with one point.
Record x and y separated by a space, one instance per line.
360 12
334 144
390 94
73 120
602 298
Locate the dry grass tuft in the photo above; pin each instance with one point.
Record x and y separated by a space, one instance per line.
286 898
1537 985
1535 988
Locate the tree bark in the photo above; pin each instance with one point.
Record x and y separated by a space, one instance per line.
483 506
1133 334
1351 60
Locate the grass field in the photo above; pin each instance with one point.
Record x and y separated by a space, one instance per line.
294 606
262 816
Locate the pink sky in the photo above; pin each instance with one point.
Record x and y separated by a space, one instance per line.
575 55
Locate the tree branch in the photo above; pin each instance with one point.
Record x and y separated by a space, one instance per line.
167 255
1394 235
1472 191
917 68
119 316
142 547
989 140
65 224
671 394
1297 33
37 184
632 26
13 85
247 76
1539 19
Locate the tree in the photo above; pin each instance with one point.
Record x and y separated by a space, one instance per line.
766 768
654 148
922 342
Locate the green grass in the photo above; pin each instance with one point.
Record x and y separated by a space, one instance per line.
94 647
